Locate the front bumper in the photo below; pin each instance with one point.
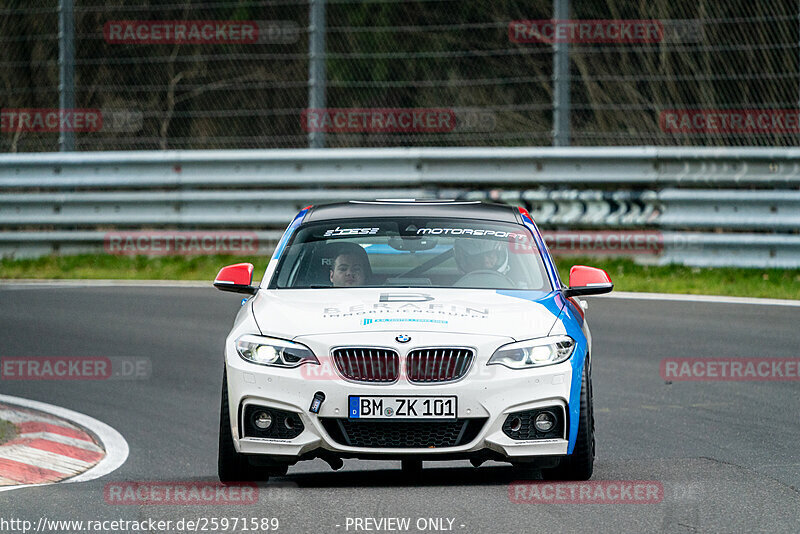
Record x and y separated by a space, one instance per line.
487 393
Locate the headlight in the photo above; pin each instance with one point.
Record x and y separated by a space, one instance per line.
272 351
534 352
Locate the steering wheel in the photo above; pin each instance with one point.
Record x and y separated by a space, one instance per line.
485 278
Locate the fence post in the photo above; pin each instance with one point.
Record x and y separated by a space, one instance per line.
561 102
316 65
66 69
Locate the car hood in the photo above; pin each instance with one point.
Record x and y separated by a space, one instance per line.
289 313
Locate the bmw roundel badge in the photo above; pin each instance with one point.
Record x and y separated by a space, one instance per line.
402 338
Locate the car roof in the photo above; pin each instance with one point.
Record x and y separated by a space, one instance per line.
455 209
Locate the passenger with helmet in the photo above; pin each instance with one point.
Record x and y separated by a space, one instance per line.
484 262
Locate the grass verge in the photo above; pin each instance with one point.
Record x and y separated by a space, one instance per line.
7 431
627 275
106 266
728 281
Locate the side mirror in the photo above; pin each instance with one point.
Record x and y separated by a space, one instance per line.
585 280
236 278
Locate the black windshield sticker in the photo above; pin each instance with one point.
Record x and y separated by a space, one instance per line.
341 232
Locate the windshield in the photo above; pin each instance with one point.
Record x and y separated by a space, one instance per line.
412 252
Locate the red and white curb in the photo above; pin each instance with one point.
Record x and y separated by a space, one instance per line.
54 444
45 449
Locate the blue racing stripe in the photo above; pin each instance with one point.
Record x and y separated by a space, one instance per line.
572 322
297 221
560 307
545 253
552 300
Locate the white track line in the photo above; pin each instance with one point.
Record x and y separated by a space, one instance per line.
115 445
66 283
700 298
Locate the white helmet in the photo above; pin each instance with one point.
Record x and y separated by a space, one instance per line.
481 255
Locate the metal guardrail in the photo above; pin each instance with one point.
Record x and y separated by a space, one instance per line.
582 208
66 202
183 209
732 250
775 210
408 167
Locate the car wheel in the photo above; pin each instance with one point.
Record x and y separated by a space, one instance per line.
232 466
580 464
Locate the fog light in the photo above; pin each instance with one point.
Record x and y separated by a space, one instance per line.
262 420
544 422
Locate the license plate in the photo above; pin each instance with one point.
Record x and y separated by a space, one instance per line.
411 407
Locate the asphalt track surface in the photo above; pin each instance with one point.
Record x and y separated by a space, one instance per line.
727 453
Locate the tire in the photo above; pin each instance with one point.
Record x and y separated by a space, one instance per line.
580 464
232 466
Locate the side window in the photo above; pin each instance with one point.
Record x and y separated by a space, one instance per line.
315 265
287 277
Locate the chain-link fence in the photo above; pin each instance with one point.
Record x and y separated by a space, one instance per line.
175 75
